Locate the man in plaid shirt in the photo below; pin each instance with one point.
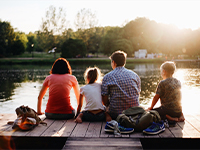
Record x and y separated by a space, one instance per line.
121 87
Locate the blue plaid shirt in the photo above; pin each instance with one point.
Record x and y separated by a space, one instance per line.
123 87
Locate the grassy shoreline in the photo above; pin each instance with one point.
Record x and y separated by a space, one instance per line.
46 61
101 60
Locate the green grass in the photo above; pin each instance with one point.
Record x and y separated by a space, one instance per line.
42 58
37 55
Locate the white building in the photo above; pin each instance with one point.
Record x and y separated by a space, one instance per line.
151 56
141 53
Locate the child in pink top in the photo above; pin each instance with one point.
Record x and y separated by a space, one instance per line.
60 83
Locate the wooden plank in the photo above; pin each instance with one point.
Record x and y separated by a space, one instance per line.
137 134
102 143
178 132
4 118
197 116
80 129
13 132
103 133
67 128
7 117
54 128
166 134
151 136
189 129
25 133
94 129
40 129
194 122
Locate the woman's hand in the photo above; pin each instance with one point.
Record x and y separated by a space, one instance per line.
40 113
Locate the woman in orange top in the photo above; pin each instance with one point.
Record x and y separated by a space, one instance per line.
60 82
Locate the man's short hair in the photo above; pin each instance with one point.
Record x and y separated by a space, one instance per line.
119 57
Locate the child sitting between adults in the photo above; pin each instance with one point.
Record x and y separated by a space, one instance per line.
94 109
169 93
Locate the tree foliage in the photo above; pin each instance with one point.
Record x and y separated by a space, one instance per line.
72 48
53 25
140 33
7 37
11 43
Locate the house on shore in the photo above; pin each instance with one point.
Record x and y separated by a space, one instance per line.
141 53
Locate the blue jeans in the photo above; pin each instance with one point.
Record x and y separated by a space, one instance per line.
60 116
88 116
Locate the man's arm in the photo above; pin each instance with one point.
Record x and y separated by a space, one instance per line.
105 100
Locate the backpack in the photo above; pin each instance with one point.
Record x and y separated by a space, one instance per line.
27 118
138 118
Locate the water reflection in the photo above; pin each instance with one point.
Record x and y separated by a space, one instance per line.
12 79
20 85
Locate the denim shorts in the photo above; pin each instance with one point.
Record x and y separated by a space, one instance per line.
88 116
60 116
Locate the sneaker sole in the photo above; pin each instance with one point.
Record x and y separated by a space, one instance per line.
126 131
110 126
123 132
152 133
108 130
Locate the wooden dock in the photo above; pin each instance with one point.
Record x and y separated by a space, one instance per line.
90 135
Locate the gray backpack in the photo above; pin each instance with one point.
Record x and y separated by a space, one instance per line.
138 118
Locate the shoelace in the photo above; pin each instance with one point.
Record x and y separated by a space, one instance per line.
166 123
116 129
121 128
153 125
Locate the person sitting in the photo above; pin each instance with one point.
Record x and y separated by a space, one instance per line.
60 82
169 93
94 109
121 87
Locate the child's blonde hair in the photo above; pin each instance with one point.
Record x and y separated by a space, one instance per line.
168 66
92 74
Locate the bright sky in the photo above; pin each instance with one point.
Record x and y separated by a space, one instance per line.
26 15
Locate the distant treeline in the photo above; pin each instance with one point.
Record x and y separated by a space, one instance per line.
140 33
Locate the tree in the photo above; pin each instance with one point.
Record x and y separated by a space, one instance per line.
54 24
20 36
85 19
73 48
32 42
85 23
108 43
17 47
7 37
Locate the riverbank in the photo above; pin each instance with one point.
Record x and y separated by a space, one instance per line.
95 61
39 61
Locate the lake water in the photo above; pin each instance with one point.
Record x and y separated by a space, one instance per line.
20 85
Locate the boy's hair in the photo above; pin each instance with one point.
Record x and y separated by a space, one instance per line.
168 66
93 74
61 66
119 57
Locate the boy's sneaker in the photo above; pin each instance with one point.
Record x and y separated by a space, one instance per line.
113 125
171 123
125 130
155 128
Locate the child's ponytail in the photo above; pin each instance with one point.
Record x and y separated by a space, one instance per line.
92 74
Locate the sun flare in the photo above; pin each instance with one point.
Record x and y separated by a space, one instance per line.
190 93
